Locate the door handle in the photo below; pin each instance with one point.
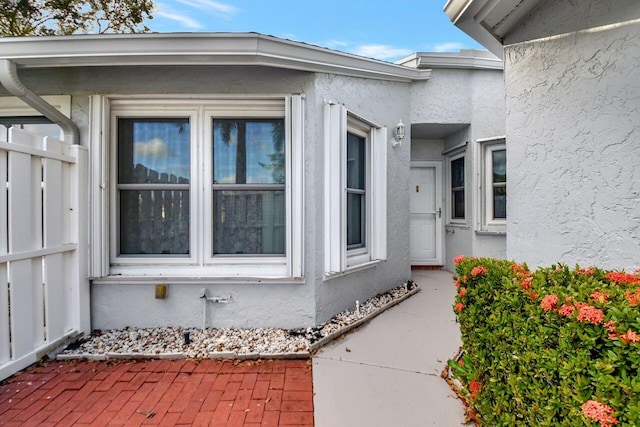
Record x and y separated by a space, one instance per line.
439 212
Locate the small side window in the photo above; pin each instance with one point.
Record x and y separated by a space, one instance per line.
493 187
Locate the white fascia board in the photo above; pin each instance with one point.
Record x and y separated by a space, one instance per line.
478 60
195 49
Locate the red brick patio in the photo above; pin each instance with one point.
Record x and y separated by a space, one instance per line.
160 392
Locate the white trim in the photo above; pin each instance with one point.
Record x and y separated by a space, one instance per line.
457 147
379 192
98 186
154 49
295 257
127 110
486 222
460 152
335 117
338 259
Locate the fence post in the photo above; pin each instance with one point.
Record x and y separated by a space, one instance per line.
79 271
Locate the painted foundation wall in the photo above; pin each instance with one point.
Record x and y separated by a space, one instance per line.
573 115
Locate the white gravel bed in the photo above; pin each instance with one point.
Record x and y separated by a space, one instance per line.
259 343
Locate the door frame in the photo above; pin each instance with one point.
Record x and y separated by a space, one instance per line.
437 164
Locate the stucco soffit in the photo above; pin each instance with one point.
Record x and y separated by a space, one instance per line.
196 49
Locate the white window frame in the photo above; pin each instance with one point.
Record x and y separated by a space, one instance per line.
455 155
338 258
487 147
200 262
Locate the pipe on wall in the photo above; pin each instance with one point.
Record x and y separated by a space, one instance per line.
10 80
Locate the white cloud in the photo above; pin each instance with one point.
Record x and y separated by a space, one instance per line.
381 51
178 17
335 44
153 147
448 47
222 10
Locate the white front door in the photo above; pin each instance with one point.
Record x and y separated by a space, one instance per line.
426 213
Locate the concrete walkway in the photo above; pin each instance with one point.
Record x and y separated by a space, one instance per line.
388 372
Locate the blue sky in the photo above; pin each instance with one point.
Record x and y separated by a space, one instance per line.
386 30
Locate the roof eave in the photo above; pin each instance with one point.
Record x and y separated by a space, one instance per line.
489 21
196 49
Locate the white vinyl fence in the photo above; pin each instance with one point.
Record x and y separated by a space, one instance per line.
43 287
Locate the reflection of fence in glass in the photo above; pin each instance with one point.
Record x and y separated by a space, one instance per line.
155 221
249 222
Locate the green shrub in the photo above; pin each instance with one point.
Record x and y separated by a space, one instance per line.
554 347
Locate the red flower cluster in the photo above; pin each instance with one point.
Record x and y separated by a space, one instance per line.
479 271
458 259
633 297
620 278
549 302
462 292
629 337
523 274
599 296
458 307
474 388
586 271
566 310
599 412
587 313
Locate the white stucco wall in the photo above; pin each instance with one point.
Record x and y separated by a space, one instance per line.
263 304
133 304
473 97
383 103
573 126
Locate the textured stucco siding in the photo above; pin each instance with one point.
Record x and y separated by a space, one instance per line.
383 103
573 122
474 98
267 304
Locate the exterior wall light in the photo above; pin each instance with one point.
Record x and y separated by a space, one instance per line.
399 134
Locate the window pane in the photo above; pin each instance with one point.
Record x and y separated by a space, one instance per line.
154 222
500 202
249 222
457 173
499 165
355 220
356 165
458 204
153 151
248 151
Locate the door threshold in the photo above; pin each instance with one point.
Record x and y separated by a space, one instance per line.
427 267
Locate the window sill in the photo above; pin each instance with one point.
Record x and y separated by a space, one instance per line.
354 269
491 232
177 280
457 225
